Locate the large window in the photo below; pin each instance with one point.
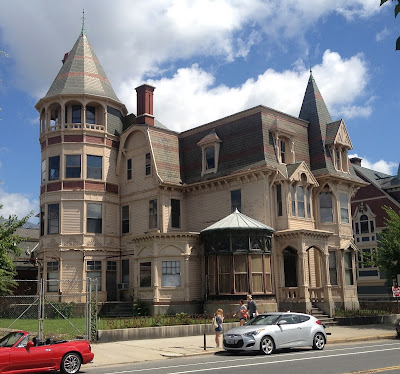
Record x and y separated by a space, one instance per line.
94 218
175 213
153 224
257 273
90 115
76 114
224 274
209 154
94 167
332 268
240 266
125 219
125 271
43 171
73 166
53 276
145 274
171 274
344 208
236 200
53 220
93 271
325 203
148 164
54 168
348 268
129 169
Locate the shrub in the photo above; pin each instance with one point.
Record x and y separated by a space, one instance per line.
141 308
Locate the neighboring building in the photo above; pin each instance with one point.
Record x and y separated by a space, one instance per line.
151 213
25 265
368 222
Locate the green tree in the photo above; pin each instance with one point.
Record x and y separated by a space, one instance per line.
9 250
388 255
396 12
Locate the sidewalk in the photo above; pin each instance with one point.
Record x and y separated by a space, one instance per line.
125 352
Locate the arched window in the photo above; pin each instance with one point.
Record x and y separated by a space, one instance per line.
364 224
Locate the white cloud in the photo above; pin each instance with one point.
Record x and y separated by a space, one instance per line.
387 167
192 94
382 35
136 38
17 204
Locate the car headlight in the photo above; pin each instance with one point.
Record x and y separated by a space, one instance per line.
253 333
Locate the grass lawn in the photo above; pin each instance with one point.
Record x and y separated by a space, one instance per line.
56 328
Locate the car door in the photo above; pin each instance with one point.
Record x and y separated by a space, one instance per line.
288 333
23 358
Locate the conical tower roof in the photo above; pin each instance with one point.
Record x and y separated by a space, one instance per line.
313 108
82 73
316 113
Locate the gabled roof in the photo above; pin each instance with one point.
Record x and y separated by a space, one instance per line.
82 73
336 133
296 169
238 221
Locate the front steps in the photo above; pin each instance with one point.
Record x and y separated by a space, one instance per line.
323 317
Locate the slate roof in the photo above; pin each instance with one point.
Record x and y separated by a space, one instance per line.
238 221
379 179
82 73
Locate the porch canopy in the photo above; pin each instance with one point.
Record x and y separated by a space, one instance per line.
238 256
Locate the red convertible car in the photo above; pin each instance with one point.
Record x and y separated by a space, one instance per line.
19 354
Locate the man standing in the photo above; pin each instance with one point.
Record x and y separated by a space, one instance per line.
251 307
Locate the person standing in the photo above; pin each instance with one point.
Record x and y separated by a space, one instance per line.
219 319
241 312
251 307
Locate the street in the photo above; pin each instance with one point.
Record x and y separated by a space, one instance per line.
360 358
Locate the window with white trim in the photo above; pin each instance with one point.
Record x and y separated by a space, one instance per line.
175 213
72 166
145 274
43 171
129 169
54 168
153 221
171 274
125 219
53 219
94 167
348 268
326 206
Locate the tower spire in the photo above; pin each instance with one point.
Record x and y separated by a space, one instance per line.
83 32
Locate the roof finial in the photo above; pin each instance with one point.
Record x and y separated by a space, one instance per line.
83 32
309 58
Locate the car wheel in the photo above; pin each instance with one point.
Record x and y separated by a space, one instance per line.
267 345
318 341
71 363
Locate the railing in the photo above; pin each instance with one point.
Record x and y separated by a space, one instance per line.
316 294
75 126
290 293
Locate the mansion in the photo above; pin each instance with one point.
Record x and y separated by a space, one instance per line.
254 203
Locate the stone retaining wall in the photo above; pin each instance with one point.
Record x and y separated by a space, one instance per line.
105 336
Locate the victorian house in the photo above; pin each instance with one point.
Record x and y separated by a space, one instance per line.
368 222
257 202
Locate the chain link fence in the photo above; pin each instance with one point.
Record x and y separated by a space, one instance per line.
60 310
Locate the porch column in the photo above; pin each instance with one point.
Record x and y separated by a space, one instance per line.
304 294
328 299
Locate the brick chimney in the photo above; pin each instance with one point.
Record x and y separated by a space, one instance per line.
145 104
356 161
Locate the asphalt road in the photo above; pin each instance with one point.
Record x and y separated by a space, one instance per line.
355 358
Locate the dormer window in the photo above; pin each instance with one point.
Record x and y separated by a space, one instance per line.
210 145
209 154
282 149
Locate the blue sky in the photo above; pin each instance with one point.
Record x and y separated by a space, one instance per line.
207 59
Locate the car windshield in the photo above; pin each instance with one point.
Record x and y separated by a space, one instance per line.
10 339
264 319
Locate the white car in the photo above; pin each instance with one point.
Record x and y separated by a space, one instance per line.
271 331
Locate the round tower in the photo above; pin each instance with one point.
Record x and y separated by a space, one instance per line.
81 119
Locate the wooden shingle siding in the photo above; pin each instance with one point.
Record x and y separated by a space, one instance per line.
112 217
